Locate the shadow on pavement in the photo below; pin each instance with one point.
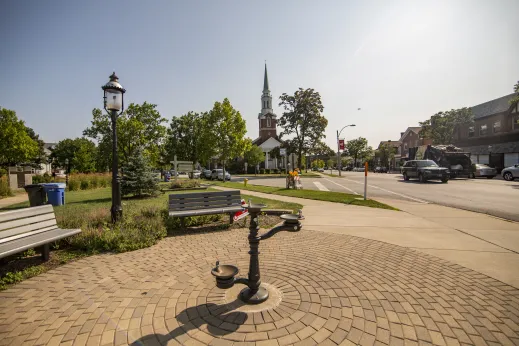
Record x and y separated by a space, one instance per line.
195 317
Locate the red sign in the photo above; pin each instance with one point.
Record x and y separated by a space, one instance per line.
341 144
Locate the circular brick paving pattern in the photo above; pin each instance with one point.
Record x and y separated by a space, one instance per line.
326 289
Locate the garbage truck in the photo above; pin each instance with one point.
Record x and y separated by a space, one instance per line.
449 156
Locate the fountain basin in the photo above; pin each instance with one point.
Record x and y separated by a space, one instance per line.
224 275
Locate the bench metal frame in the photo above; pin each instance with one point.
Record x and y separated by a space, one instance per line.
29 228
205 203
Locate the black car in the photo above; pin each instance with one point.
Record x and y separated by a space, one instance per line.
379 169
424 170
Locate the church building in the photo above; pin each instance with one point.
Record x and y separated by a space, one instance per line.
268 137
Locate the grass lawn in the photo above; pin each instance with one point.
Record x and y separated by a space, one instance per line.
144 223
84 201
329 196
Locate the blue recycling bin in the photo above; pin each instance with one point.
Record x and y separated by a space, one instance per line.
55 193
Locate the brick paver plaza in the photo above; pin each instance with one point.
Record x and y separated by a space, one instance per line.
326 289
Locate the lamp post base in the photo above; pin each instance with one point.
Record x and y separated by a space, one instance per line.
248 297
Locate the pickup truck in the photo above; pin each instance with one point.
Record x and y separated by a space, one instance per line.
424 170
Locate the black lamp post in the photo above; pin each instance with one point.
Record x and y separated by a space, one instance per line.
66 171
339 163
113 104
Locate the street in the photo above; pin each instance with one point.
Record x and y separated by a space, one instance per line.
491 196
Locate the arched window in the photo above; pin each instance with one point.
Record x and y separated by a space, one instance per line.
268 121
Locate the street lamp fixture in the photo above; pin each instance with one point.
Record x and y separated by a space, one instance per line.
339 149
114 105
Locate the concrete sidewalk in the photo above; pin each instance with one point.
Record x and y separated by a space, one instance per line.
4 202
477 241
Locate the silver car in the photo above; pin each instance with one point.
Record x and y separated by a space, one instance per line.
217 174
510 173
484 171
206 173
195 174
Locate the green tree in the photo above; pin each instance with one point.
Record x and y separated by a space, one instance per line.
186 138
302 118
227 131
385 153
138 126
138 178
39 156
16 144
358 149
254 156
81 154
441 126
329 163
516 90
318 164
322 149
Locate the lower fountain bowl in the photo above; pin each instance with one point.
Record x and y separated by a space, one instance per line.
224 275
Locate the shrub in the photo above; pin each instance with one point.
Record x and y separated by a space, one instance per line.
262 171
137 229
267 171
88 181
183 183
84 184
73 185
38 179
5 190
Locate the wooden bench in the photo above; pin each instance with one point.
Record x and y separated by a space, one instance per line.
204 203
29 228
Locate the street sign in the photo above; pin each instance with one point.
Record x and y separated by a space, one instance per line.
185 167
282 151
341 144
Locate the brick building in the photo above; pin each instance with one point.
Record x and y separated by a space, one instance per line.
493 138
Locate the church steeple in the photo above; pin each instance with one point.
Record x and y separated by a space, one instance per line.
266 118
266 80
266 97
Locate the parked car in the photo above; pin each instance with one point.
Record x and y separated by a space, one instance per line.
484 171
510 173
217 174
321 170
206 173
195 174
425 170
379 169
347 168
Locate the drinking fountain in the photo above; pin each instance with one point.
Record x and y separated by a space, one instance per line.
225 274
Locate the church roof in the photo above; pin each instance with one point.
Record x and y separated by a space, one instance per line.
260 140
266 80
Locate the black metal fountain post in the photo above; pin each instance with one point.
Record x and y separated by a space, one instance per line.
254 293
225 274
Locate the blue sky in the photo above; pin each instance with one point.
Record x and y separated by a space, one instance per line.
399 61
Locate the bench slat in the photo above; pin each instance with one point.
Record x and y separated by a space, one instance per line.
25 221
204 201
26 212
204 211
205 198
27 228
197 207
205 194
36 240
26 234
